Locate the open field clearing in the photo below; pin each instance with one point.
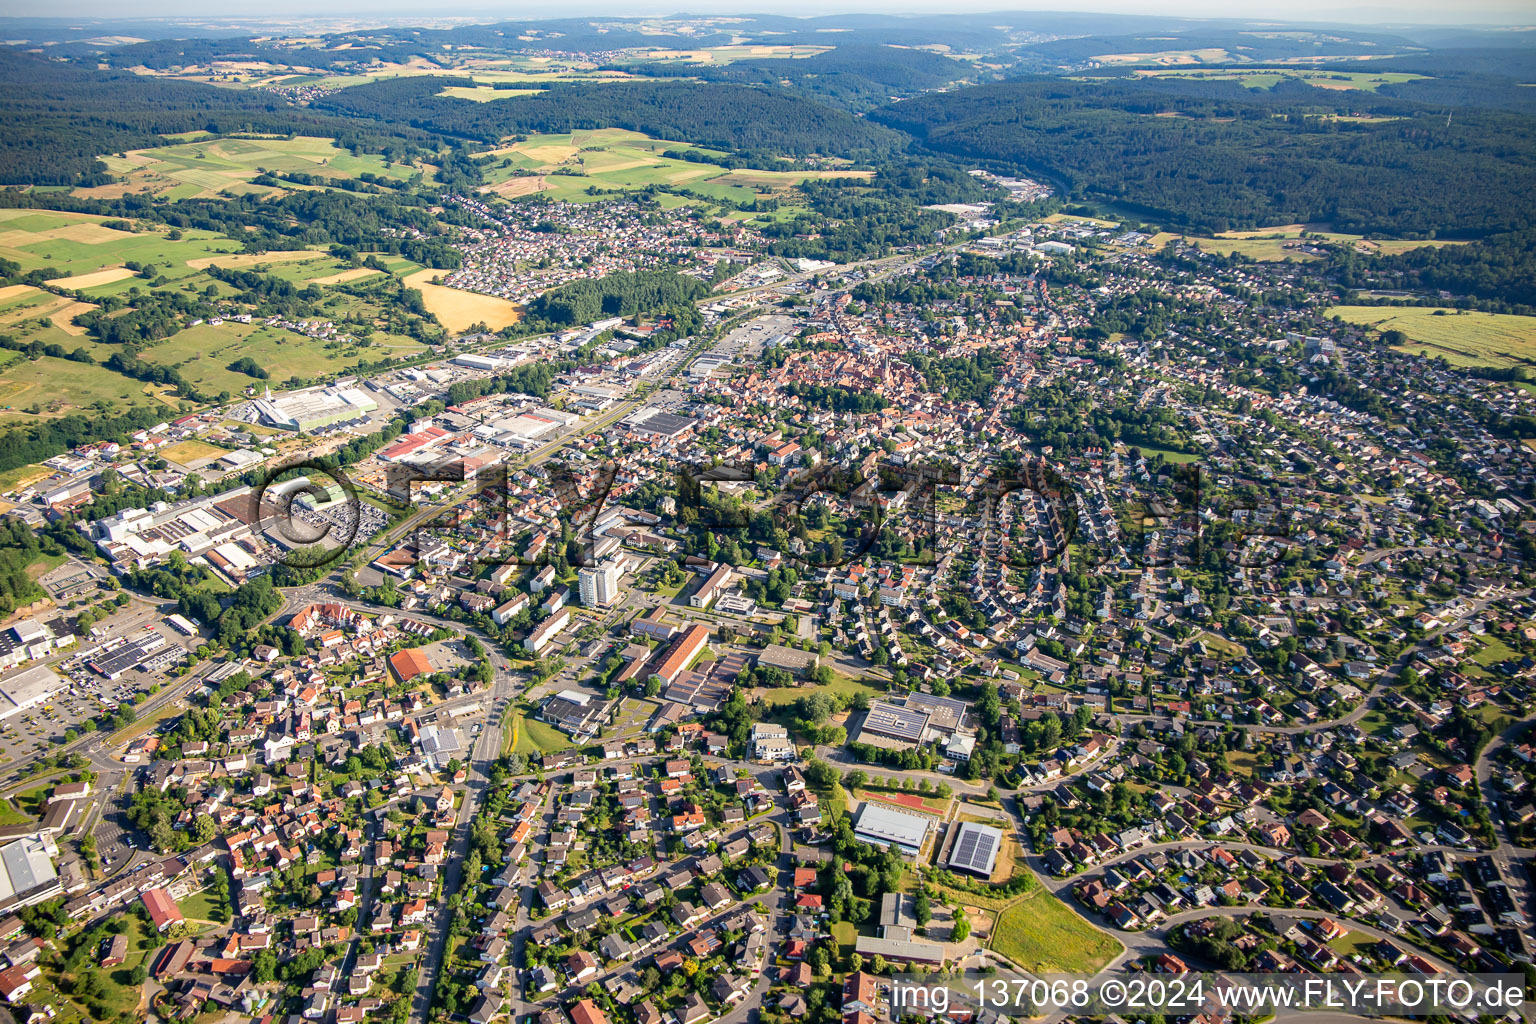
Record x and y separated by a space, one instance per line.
731 54
1286 243
566 165
460 310
185 453
356 273
1462 338
1269 77
203 354
486 93
63 317
1208 55
47 386
251 259
38 239
91 280
209 166
1041 933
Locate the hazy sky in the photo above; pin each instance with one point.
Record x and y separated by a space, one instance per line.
1482 12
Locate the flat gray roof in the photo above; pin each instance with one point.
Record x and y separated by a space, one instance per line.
27 865
887 825
34 686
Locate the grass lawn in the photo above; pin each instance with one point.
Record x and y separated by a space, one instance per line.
1041 933
1221 644
1493 652
1461 337
845 934
531 737
10 815
839 684
202 906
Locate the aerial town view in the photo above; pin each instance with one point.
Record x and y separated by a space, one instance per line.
839 515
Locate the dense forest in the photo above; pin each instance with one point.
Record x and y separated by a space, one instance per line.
854 77
56 119
616 295
1501 269
713 114
1213 156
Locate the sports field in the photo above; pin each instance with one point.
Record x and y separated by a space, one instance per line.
1461 337
209 167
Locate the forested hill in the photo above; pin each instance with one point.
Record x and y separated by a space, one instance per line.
56 119
714 114
1212 156
855 77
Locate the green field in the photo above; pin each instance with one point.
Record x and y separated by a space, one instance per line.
1041 933
531 737
91 256
1269 77
203 355
840 684
77 244
565 166
1461 338
202 906
209 167
47 385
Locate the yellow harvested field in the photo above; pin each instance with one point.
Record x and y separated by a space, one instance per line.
90 280
459 310
47 308
15 291
184 453
90 234
1460 337
514 187
1281 229
251 259
355 274
62 316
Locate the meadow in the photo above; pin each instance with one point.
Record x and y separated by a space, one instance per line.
1040 933
1285 242
1269 77
210 167
92 255
1460 337
566 166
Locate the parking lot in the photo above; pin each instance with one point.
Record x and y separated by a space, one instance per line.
38 730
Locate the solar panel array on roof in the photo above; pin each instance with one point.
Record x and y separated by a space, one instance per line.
975 849
896 722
